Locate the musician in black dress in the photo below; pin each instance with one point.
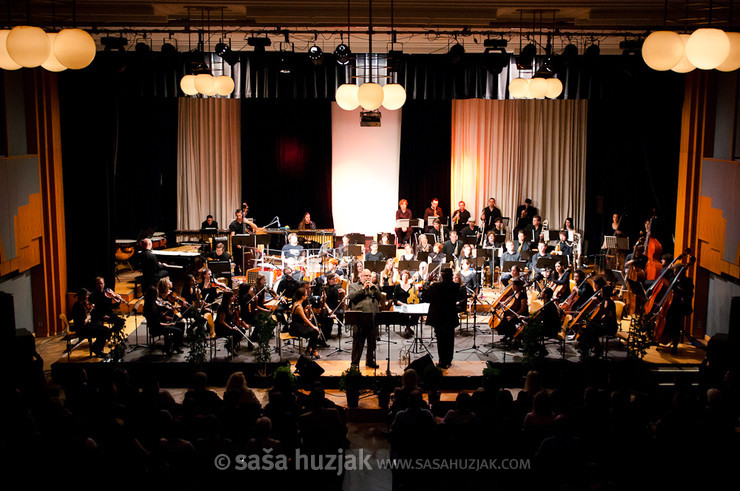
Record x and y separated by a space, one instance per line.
443 316
301 322
560 281
225 323
461 303
403 213
585 290
85 327
489 215
209 224
469 277
160 321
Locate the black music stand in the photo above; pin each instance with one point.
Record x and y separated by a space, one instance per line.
470 239
506 268
418 329
375 266
473 348
357 250
220 268
388 250
527 255
342 325
356 238
135 311
422 256
411 266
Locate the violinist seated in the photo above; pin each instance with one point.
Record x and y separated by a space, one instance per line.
549 314
219 253
420 279
560 282
602 322
105 302
388 277
160 321
226 321
254 304
517 311
165 293
302 322
404 293
85 327
210 287
564 248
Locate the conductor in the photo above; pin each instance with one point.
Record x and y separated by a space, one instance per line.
364 297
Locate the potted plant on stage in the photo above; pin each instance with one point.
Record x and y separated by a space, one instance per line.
432 380
118 345
264 325
350 383
197 337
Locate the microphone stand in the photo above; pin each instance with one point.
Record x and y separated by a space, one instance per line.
339 349
475 328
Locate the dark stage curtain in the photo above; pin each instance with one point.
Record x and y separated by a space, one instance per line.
424 171
286 161
119 161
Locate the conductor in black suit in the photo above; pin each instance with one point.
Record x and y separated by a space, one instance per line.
443 316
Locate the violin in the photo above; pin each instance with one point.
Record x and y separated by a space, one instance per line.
113 295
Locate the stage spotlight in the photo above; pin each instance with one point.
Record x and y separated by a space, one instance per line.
259 43
316 55
343 54
570 51
224 51
111 43
142 48
526 57
495 61
456 52
631 47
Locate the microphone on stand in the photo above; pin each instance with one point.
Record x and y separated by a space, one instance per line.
278 221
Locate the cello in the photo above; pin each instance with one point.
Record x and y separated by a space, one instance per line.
658 312
653 251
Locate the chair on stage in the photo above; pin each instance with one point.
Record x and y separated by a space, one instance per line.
619 307
152 336
72 338
212 338
289 340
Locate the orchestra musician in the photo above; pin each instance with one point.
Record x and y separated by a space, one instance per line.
614 227
241 225
286 288
636 259
210 286
209 224
151 269
443 316
469 277
190 292
301 324
524 242
603 322
219 253
306 223
534 230
516 312
461 303
460 217
524 214
510 254
343 250
549 314
514 274
292 250
423 245
403 292
432 211
388 277
85 326
365 297
467 252
225 323
385 240
423 273
408 253
452 247
105 302
374 254
403 213
437 255
489 215
256 305
560 281
334 302
159 315
540 254
563 247
469 230
585 290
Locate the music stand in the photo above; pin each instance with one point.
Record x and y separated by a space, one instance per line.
356 238
506 268
356 250
432 238
420 309
469 239
375 266
499 239
220 268
423 256
388 250
546 263
527 255
475 326
408 265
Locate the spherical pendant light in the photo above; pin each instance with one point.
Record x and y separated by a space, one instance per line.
28 46
6 62
74 48
554 88
205 83
518 88
707 48
732 62
394 96
224 85
662 50
370 96
51 63
684 66
346 97
187 85
538 88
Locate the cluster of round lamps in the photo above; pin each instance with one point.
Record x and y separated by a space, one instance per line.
705 49
535 88
207 84
370 96
29 47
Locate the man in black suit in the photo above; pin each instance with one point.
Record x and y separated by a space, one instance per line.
443 316
452 247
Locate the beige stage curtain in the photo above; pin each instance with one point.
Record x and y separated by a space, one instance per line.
208 161
516 149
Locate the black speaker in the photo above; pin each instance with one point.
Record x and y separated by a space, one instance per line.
7 316
421 364
309 370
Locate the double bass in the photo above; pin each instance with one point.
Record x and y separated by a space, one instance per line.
663 298
653 251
